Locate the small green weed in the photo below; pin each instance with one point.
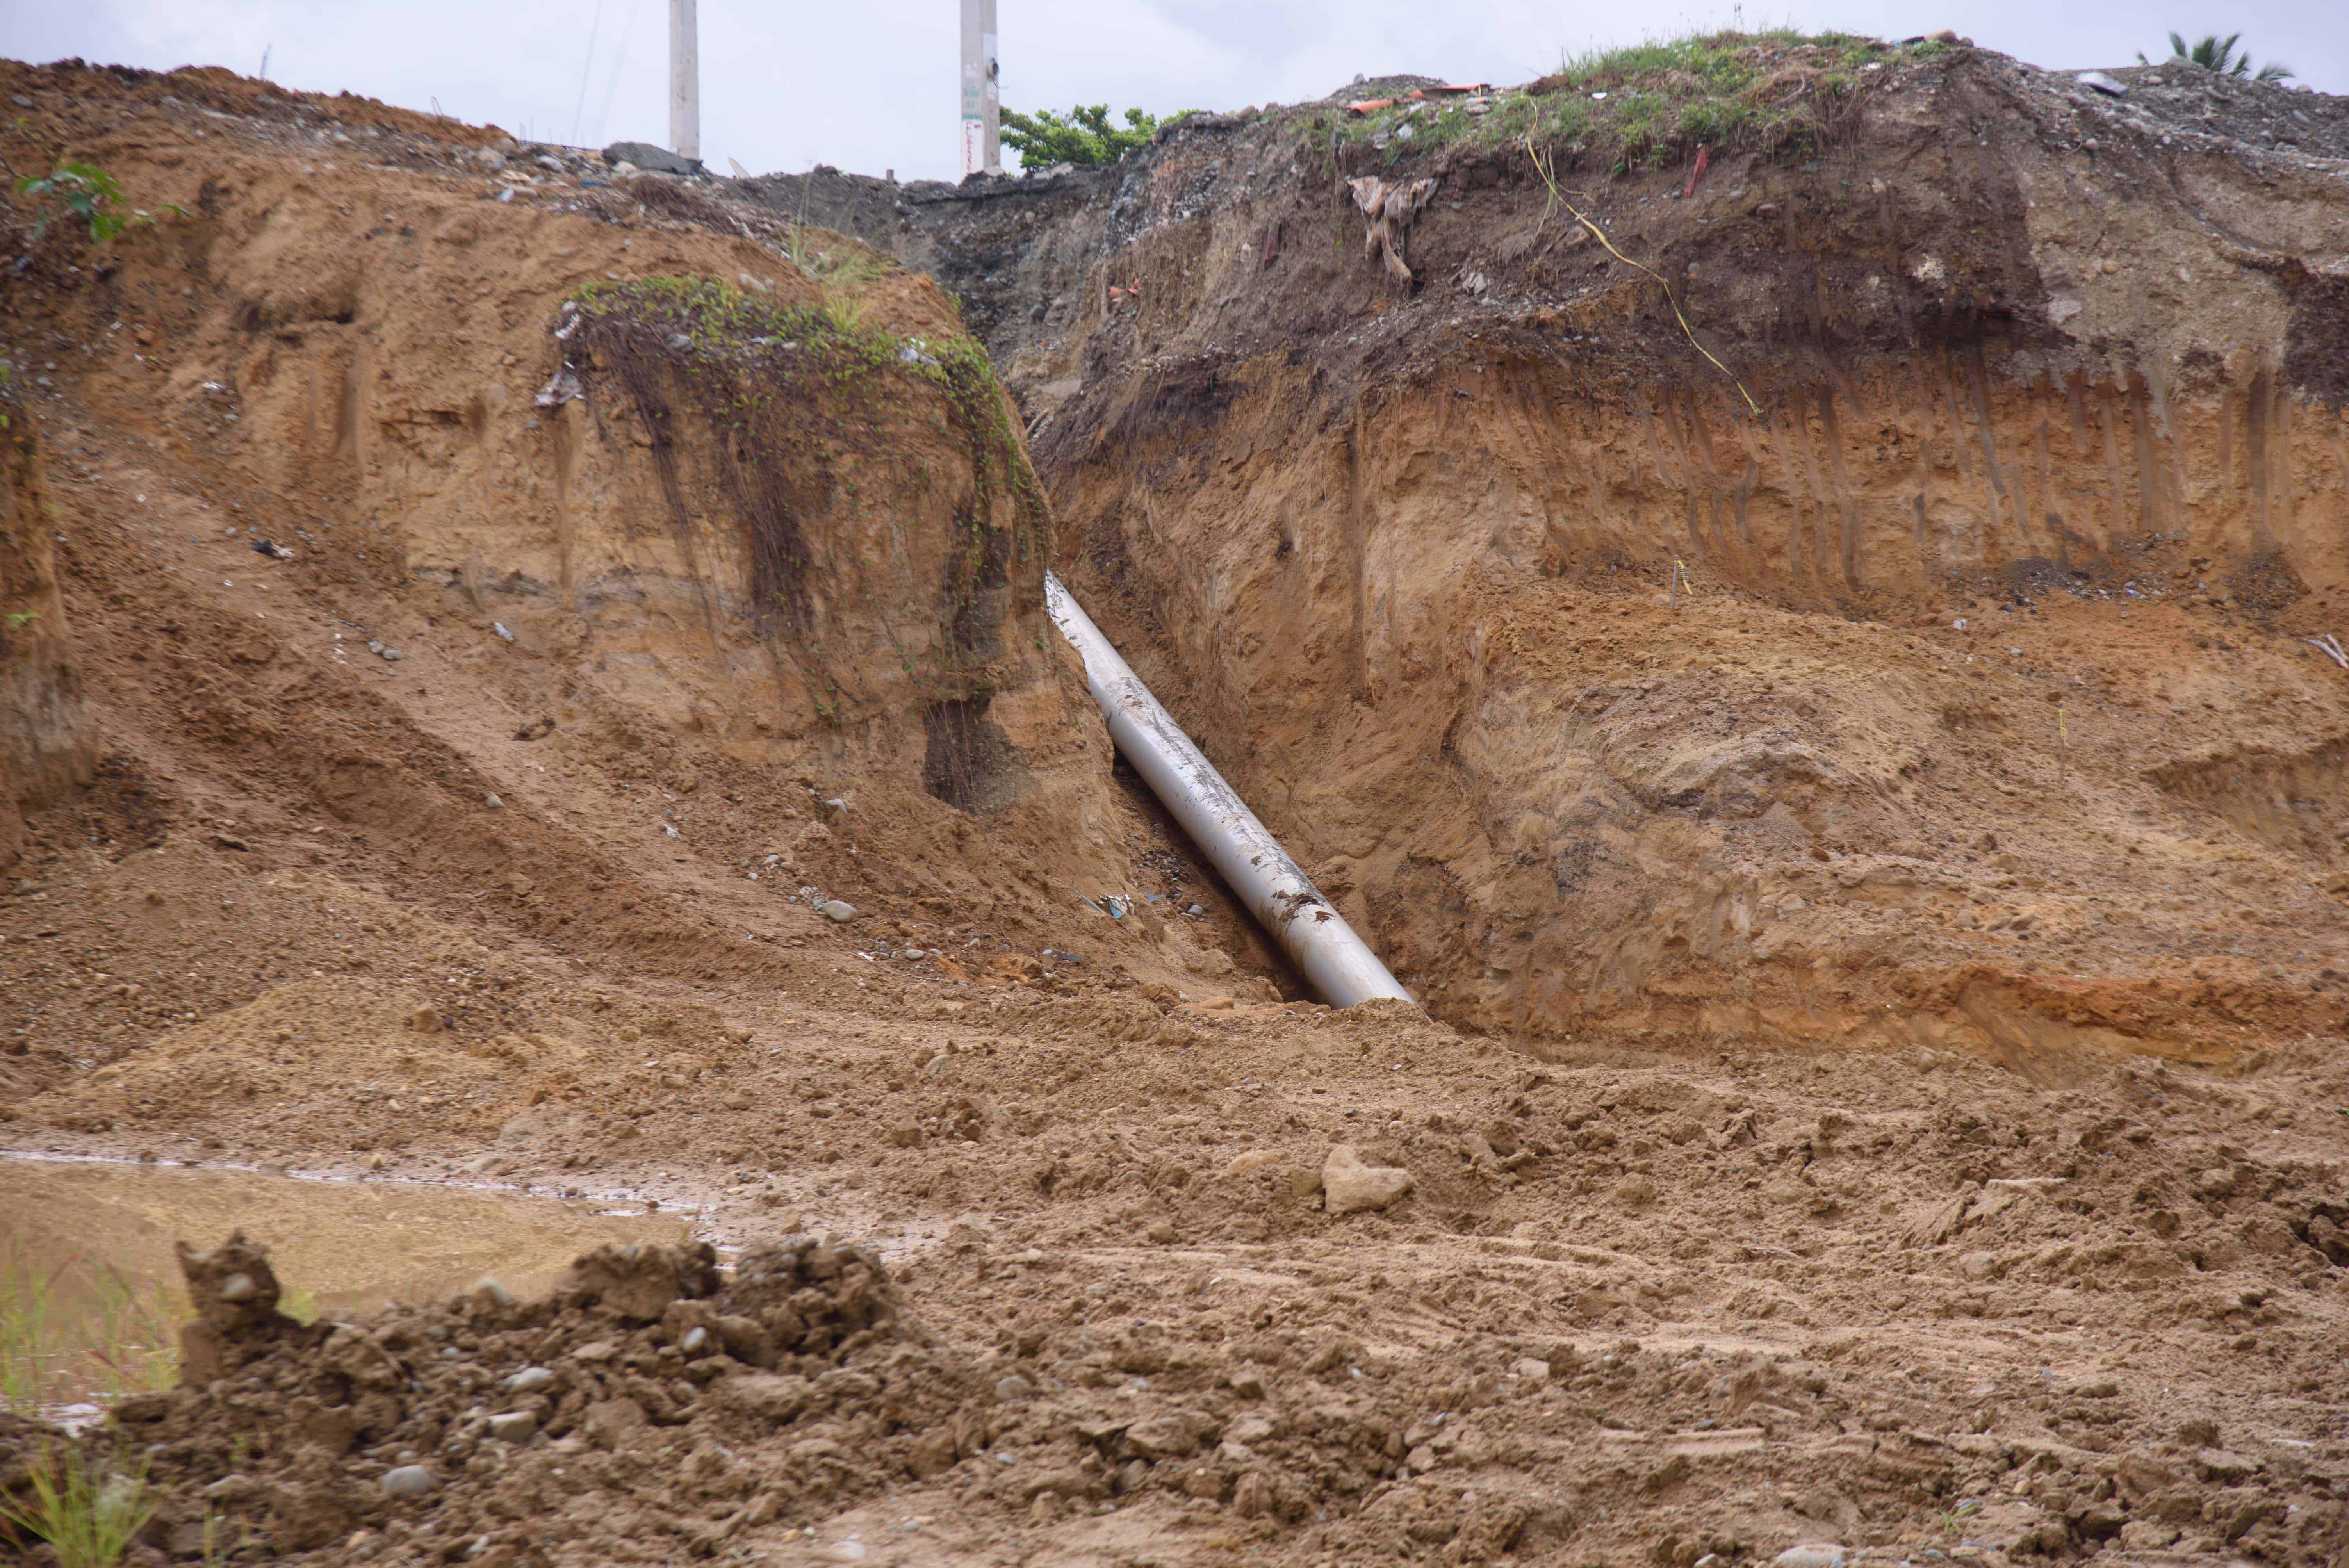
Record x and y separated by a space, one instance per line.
90 194
842 266
1952 1518
844 314
86 1511
216 1542
27 1330
82 1331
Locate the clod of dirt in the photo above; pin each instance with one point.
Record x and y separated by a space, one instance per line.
1349 1184
812 1297
235 1295
638 1280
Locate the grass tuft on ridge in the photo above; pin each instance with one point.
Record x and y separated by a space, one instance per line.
1650 104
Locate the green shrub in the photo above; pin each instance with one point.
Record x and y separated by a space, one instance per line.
1085 138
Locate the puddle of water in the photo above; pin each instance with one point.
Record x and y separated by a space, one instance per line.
345 1244
87 1249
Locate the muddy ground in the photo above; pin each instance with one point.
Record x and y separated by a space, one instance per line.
1027 1221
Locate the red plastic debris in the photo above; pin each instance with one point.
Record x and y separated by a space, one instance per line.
1703 159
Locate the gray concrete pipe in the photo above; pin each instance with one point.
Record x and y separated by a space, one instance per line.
1338 963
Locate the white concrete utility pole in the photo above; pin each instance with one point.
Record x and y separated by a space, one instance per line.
981 105
684 79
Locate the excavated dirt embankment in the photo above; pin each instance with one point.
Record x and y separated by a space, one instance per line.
609 574
476 840
1984 717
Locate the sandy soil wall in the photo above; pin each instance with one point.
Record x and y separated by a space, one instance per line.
1845 687
816 556
47 745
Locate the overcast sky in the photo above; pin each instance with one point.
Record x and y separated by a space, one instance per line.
869 85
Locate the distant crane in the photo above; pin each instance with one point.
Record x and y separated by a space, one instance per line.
982 102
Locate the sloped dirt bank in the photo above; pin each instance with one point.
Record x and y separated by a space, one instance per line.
381 561
378 377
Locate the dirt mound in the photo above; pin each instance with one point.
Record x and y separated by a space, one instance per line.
443 1425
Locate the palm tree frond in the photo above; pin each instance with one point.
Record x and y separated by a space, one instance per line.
2222 56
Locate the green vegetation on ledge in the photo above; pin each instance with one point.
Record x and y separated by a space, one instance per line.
720 323
799 397
1785 93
